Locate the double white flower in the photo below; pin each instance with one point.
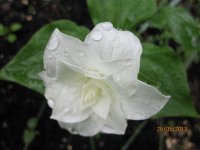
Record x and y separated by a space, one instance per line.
92 86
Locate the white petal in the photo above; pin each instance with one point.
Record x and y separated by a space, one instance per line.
50 91
68 73
82 71
125 81
146 102
70 117
88 127
71 49
114 44
54 85
65 93
67 105
105 49
116 122
118 54
102 107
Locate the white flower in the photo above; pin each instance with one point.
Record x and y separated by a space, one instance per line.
92 86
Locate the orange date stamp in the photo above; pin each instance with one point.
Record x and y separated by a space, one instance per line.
171 129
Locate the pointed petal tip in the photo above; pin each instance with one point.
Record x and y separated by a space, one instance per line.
56 30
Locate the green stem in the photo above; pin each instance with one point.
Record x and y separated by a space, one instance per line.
92 143
41 110
134 136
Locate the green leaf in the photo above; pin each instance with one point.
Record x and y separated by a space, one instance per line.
123 14
183 28
2 29
15 27
160 67
29 136
11 38
32 123
26 65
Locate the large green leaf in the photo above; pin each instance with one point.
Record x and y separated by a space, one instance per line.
123 14
162 68
25 66
182 27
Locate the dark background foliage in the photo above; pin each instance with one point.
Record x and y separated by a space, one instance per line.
18 104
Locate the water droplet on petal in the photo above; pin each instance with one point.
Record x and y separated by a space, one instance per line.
66 109
53 43
119 29
74 131
107 26
81 52
49 56
127 62
50 103
96 35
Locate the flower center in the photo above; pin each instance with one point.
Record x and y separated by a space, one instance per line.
92 92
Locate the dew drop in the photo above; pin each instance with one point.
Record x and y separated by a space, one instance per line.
74 131
119 29
81 52
49 56
66 109
50 103
96 35
107 26
53 43
127 62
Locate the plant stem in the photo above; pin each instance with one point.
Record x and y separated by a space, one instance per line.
41 110
134 136
92 143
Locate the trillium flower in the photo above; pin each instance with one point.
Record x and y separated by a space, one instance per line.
92 86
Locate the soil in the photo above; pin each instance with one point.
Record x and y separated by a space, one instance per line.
18 104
